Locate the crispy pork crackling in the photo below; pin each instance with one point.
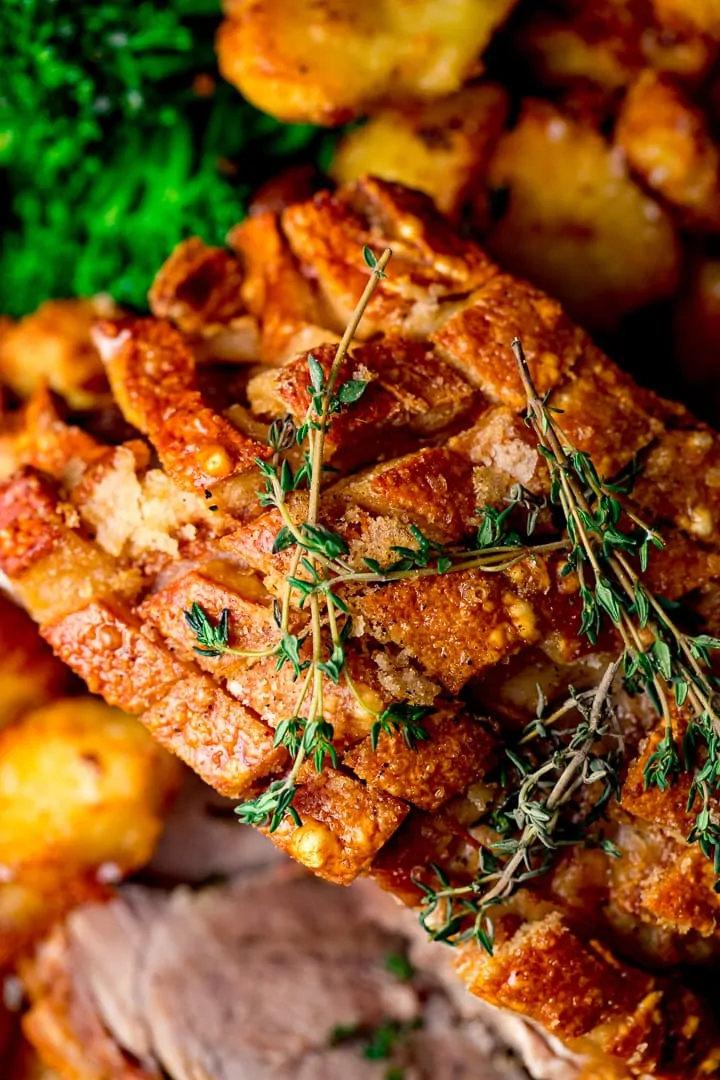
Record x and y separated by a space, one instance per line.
108 545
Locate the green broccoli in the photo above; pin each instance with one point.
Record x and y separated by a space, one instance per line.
112 149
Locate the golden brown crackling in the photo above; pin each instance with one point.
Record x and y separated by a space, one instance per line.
141 671
421 839
53 346
215 587
345 824
273 694
476 339
500 441
275 290
680 483
37 436
461 623
663 881
429 260
432 488
152 373
680 566
410 393
602 413
31 521
198 288
668 808
598 1005
63 1023
328 63
252 543
54 568
542 970
439 147
458 752
666 141
221 740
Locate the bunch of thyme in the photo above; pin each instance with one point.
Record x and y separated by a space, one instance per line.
657 659
319 567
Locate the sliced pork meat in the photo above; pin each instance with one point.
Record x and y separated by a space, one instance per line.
274 976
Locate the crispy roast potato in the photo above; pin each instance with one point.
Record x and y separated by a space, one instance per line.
666 141
53 346
441 148
699 16
328 62
83 789
30 675
607 43
574 221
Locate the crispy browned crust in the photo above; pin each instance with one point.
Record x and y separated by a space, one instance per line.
30 522
198 288
457 626
214 587
545 971
141 671
53 347
215 735
458 752
437 434
38 436
152 373
476 339
345 824
667 142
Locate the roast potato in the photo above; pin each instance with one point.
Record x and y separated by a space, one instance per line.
329 61
441 148
53 346
666 141
83 789
575 223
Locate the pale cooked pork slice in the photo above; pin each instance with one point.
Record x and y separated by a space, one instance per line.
271 977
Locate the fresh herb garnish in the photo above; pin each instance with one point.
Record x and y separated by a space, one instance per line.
656 659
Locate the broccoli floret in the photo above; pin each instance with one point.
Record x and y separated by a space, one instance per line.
117 140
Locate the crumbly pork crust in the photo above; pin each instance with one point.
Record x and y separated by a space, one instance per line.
436 435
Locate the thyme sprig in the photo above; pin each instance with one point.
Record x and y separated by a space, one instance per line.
319 569
670 667
531 821
656 659
307 734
